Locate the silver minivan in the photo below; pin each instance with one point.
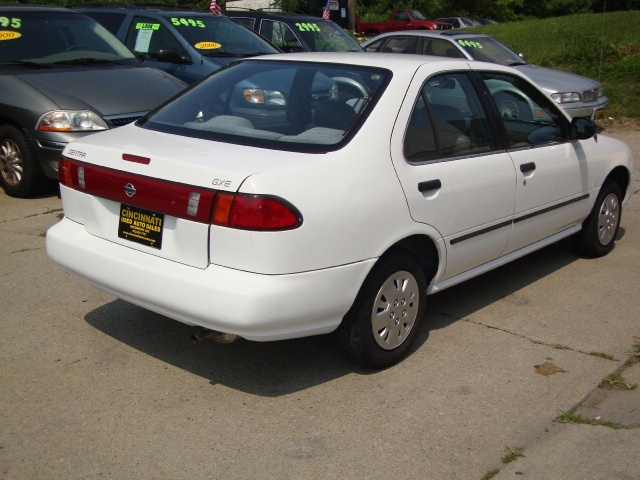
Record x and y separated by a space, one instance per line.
579 96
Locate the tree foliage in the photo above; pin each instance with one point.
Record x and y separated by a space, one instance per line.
501 10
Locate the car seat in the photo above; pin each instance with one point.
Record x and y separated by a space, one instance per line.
333 114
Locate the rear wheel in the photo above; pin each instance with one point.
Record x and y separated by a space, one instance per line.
384 320
600 229
20 172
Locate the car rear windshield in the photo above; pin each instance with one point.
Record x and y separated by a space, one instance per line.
297 106
57 37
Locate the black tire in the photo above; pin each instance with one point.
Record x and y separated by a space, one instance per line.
20 172
395 294
600 229
511 106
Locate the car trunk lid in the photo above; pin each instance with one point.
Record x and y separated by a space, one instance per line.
152 191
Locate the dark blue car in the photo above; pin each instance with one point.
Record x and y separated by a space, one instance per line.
185 43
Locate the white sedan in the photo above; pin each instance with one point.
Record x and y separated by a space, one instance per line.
303 194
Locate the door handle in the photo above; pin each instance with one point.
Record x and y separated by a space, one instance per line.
527 167
429 185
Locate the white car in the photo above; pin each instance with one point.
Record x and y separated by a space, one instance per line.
302 194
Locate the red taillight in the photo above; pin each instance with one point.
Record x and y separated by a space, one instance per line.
254 212
65 175
243 211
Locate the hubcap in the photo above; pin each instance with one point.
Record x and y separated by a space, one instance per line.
10 162
395 310
608 219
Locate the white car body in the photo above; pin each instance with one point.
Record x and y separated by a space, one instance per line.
356 202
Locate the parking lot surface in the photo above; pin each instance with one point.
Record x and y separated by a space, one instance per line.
93 387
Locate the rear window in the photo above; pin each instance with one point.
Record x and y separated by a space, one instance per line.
298 106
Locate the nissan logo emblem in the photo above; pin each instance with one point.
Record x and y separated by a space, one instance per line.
130 190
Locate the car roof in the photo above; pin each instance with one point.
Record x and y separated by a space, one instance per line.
428 33
157 8
389 61
5 7
279 15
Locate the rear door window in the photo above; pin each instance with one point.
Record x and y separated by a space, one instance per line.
448 120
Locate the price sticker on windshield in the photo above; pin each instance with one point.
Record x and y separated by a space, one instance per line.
187 22
308 27
10 22
470 43
147 26
207 45
8 35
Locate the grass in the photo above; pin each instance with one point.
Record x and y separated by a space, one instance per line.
635 355
604 47
490 475
574 418
616 381
607 356
513 454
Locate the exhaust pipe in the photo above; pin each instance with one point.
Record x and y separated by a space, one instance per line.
206 334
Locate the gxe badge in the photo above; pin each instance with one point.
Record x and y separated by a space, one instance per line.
130 190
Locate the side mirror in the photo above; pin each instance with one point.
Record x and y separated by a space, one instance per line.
171 55
582 129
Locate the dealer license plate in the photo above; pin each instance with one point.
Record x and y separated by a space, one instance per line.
141 226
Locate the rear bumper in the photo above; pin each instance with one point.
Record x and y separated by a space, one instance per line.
253 306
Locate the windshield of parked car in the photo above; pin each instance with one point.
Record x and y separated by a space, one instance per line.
31 37
327 37
216 35
298 106
487 49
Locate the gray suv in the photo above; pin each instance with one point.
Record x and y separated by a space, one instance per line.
63 76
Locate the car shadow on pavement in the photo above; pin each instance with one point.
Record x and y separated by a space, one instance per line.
273 369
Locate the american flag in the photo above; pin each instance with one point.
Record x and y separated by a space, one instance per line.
325 12
215 8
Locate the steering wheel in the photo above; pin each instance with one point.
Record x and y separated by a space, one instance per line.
351 86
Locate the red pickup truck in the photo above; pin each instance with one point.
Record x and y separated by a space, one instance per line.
401 19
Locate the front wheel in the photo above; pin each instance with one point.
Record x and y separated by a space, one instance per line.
20 172
600 229
379 328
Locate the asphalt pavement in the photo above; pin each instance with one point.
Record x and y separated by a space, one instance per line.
93 387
